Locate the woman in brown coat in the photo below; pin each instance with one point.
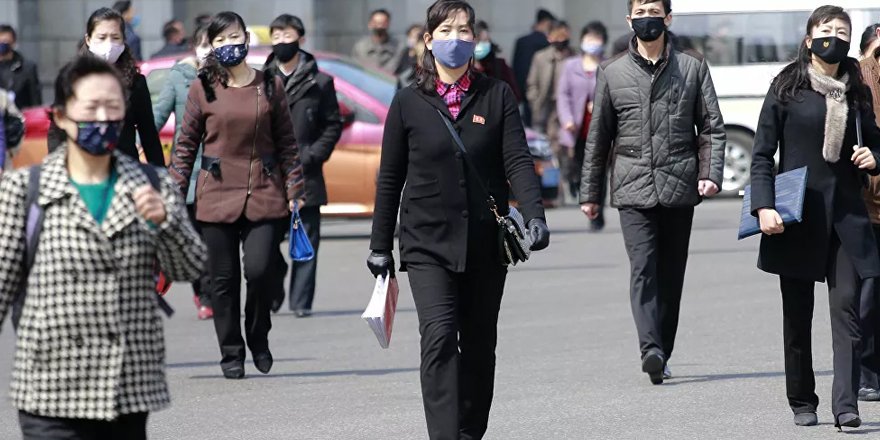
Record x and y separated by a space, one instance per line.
250 175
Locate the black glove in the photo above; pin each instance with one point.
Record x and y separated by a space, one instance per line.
540 234
380 263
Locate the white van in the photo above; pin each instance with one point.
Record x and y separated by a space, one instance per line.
747 43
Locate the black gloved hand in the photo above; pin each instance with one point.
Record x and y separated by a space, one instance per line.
540 234
380 263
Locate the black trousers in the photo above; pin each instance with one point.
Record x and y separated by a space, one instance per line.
127 426
657 241
201 287
458 320
304 275
260 241
844 287
870 314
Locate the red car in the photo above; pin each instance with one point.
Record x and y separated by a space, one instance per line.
364 96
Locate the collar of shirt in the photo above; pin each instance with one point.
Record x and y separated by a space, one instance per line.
461 86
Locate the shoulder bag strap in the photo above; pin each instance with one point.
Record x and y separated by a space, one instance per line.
33 227
466 157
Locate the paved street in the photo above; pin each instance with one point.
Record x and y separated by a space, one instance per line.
567 359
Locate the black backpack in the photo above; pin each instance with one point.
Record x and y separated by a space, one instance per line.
34 226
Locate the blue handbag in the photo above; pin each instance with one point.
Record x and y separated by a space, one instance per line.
301 249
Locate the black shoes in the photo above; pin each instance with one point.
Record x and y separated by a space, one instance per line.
806 419
653 364
850 420
234 372
869 395
263 361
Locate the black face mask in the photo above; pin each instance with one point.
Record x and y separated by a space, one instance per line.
380 32
561 45
649 28
285 52
832 50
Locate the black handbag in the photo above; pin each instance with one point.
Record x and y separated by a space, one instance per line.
514 238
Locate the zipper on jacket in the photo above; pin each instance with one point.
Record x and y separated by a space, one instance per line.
204 184
254 145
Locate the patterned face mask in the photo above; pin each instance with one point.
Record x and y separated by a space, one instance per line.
231 54
98 138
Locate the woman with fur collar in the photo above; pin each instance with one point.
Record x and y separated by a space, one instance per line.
810 116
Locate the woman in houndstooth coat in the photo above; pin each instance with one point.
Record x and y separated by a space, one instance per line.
90 353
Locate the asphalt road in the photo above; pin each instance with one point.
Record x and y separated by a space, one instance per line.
568 361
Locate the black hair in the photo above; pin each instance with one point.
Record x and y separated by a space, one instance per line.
544 15
122 6
413 27
202 20
558 25
382 11
288 21
7 29
125 63
77 69
440 11
796 76
201 31
595 27
169 29
868 37
482 26
667 5
212 72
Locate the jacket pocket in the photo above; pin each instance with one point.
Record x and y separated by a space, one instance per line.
211 165
629 151
270 165
423 190
681 148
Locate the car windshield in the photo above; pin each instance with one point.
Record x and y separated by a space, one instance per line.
376 84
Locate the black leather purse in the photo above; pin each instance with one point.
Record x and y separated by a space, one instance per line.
513 237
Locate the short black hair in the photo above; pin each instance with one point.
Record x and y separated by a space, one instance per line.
77 69
667 5
595 27
122 6
288 21
8 29
544 15
482 26
382 11
559 24
169 28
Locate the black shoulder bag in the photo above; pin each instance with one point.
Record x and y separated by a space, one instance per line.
513 237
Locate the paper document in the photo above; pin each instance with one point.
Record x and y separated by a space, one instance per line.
380 312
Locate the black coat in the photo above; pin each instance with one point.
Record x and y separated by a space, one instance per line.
444 218
21 78
138 118
833 201
317 124
523 51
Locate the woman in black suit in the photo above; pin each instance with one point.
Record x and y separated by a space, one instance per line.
448 236
105 39
810 116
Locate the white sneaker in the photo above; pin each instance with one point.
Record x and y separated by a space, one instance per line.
667 373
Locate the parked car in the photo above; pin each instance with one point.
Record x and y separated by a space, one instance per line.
364 96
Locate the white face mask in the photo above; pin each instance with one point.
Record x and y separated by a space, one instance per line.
107 50
202 53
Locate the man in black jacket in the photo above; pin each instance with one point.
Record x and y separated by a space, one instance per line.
525 49
657 106
17 74
318 126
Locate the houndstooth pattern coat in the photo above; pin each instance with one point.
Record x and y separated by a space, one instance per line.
90 343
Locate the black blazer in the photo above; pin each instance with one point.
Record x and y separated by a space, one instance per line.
138 118
833 201
444 218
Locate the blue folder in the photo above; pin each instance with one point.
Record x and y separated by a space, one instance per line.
790 189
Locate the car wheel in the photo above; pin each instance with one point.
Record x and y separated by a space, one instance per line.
737 162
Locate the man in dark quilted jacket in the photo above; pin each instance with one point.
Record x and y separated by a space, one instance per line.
656 117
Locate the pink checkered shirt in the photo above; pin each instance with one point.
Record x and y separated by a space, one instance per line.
452 94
